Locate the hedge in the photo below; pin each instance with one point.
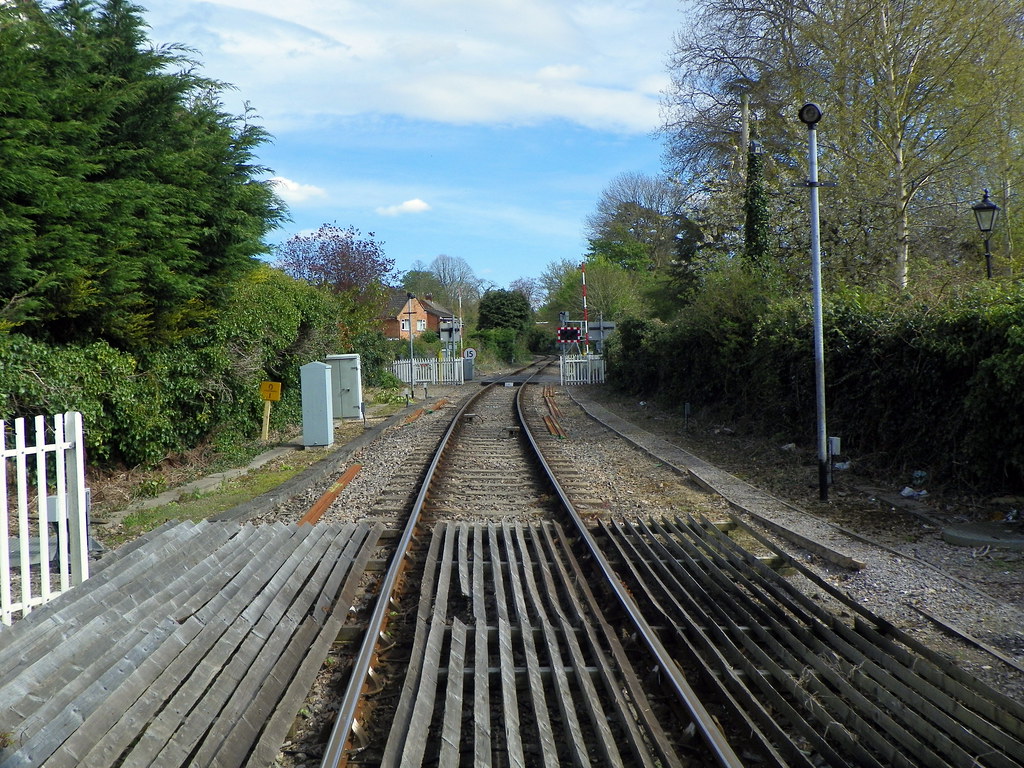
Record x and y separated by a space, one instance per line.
909 385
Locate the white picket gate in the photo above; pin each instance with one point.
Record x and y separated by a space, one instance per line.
43 514
430 371
581 369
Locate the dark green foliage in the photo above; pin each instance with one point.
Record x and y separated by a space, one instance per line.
757 231
375 356
909 386
102 383
503 344
541 340
621 248
504 309
131 212
503 325
129 201
421 282
139 409
630 364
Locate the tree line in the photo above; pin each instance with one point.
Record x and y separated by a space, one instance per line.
922 110
136 284
922 106
706 265
133 213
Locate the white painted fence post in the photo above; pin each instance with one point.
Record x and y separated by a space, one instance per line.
77 501
5 555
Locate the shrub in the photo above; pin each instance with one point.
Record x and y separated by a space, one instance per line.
912 385
502 345
139 409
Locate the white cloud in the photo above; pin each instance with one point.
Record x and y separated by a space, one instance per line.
293 192
598 63
561 72
409 206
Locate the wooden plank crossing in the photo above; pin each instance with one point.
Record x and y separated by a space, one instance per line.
195 645
509 651
860 695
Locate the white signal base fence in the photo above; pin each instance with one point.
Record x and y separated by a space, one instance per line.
430 371
581 369
44 540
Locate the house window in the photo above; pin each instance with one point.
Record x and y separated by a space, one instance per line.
405 325
421 325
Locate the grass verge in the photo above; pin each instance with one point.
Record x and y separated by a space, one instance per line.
200 506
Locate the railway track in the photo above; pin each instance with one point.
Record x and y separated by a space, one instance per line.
492 606
530 637
508 658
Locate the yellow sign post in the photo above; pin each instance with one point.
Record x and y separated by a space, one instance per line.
270 391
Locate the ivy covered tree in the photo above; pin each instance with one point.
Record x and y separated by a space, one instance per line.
129 200
757 231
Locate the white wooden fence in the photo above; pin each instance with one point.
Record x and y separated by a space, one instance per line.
43 523
430 371
581 369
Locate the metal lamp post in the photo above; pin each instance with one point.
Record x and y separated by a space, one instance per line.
986 212
409 297
810 114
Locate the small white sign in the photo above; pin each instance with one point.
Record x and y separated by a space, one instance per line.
469 353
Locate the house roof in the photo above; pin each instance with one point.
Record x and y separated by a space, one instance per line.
396 303
398 299
433 308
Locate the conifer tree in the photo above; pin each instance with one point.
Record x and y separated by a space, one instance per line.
129 200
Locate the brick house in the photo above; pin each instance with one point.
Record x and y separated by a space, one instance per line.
437 315
402 311
423 314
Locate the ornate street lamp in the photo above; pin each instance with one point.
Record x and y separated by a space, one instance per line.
986 212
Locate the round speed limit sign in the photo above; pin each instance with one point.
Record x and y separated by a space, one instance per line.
469 353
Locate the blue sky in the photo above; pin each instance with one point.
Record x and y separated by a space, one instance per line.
480 129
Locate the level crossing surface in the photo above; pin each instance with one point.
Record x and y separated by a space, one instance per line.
195 644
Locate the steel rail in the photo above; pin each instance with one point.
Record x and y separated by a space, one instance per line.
335 752
945 712
712 735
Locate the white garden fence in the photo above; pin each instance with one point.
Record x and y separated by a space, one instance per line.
430 371
582 369
44 544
